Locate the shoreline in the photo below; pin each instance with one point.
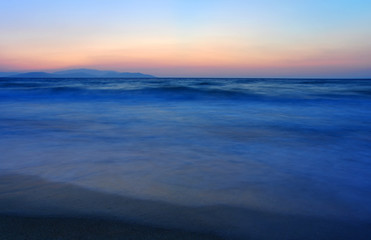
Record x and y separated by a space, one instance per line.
33 208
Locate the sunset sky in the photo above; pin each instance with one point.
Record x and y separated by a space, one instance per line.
190 38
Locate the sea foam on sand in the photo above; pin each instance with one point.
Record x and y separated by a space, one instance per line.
32 208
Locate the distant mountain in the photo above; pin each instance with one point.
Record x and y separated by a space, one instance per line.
84 71
77 73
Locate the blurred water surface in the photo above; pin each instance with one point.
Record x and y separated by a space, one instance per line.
292 146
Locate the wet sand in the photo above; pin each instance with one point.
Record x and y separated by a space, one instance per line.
33 208
63 228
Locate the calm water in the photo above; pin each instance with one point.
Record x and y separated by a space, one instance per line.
291 146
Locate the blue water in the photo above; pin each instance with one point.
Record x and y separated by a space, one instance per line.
290 146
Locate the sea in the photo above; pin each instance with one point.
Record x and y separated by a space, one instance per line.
239 158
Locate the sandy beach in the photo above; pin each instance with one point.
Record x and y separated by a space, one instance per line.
63 228
32 208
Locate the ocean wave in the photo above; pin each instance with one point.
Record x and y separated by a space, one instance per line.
195 91
188 89
167 91
20 85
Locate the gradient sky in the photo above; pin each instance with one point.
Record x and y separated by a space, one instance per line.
206 38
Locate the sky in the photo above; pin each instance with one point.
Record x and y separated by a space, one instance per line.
189 38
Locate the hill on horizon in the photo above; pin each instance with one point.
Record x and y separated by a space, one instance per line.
76 73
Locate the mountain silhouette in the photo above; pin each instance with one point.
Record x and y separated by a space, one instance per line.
77 73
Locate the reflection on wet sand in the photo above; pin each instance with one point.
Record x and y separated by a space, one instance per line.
68 211
64 228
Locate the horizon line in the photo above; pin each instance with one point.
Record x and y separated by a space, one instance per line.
54 71
263 78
